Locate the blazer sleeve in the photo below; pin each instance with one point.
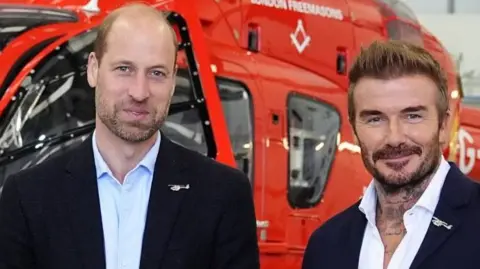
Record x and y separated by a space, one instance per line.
236 245
16 249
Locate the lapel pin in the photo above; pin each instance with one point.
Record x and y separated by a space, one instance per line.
437 222
179 187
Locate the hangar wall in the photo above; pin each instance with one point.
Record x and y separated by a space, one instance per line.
444 6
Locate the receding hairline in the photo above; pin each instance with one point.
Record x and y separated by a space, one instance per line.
129 11
136 7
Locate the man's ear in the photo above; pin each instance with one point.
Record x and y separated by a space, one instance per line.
445 128
174 77
354 133
92 70
175 69
446 119
355 139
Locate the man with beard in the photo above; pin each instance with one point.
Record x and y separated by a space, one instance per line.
110 202
419 211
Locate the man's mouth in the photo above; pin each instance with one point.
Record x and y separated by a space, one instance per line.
397 162
136 114
398 157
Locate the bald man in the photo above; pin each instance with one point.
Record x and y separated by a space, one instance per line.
109 202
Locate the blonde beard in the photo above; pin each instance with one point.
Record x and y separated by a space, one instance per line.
141 133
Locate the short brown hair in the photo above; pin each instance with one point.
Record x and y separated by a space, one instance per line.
393 59
100 45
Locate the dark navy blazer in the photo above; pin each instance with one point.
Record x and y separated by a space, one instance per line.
336 244
50 215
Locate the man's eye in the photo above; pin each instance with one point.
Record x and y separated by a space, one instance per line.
123 68
158 73
413 116
373 119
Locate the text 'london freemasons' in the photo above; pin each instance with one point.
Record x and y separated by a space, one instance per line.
302 7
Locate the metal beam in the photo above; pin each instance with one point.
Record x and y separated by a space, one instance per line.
451 7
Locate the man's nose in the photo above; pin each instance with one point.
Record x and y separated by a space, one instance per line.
139 90
396 133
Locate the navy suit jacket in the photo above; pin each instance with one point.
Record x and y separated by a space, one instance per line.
336 244
50 215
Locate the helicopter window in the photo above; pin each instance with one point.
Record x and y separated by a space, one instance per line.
22 60
54 98
54 110
400 30
404 12
15 20
185 128
313 130
237 108
397 8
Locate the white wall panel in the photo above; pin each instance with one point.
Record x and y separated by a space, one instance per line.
459 34
428 6
441 6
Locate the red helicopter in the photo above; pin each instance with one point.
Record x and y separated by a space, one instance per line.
262 87
469 137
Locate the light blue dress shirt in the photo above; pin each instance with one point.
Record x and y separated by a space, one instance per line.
124 208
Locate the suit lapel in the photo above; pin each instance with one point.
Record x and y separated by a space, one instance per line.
456 193
164 204
84 206
354 231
